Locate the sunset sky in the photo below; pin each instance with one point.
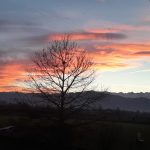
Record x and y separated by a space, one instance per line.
116 33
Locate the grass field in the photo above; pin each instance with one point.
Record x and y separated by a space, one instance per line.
36 132
114 136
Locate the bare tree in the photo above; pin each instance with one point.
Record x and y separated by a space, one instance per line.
62 73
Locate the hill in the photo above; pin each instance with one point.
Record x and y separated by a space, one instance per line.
129 102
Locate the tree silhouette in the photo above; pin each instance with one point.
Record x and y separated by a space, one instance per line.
62 73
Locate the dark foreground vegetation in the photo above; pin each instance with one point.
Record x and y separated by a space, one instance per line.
32 129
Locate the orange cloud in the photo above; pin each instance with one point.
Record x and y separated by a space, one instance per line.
80 36
119 56
107 56
10 73
110 56
124 50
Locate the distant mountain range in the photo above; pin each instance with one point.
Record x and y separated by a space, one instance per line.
134 95
141 104
123 101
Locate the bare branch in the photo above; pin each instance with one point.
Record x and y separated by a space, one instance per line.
60 69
